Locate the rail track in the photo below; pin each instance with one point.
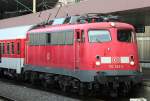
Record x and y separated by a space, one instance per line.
52 93
49 94
4 98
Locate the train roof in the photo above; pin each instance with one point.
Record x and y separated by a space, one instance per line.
78 21
96 25
18 32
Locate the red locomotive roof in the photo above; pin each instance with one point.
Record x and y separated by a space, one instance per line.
86 25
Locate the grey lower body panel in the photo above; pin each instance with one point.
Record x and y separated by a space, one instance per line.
85 75
119 76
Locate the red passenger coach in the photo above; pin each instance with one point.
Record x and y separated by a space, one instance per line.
12 46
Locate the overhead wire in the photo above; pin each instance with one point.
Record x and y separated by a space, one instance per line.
23 5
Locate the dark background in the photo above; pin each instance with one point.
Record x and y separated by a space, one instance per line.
12 8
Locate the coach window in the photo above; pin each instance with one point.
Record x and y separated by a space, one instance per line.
18 48
3 48
12 47
0 48
0 51
8 48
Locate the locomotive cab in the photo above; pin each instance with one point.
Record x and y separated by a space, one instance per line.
113 51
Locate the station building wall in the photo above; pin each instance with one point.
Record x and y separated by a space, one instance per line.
143 40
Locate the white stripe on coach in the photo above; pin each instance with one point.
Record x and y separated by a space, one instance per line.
12 63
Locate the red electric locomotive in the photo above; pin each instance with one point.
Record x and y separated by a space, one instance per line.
92 53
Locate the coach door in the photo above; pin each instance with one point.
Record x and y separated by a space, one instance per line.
19 53
79 35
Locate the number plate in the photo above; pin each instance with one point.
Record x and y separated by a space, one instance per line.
116 66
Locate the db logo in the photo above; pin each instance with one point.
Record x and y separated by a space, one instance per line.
115 60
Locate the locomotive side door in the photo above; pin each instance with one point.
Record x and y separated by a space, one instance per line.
79 40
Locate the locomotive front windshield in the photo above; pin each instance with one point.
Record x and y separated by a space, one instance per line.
125 35
99 36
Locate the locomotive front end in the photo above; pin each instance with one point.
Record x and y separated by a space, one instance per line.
115 56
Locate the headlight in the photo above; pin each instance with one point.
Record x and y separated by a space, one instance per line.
132 63
97 63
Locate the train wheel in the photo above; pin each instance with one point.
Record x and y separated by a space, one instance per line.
34 78
114 93
64 85
83 90
44 84
18 77
1 73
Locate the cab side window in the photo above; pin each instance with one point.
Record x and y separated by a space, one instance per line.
80 36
